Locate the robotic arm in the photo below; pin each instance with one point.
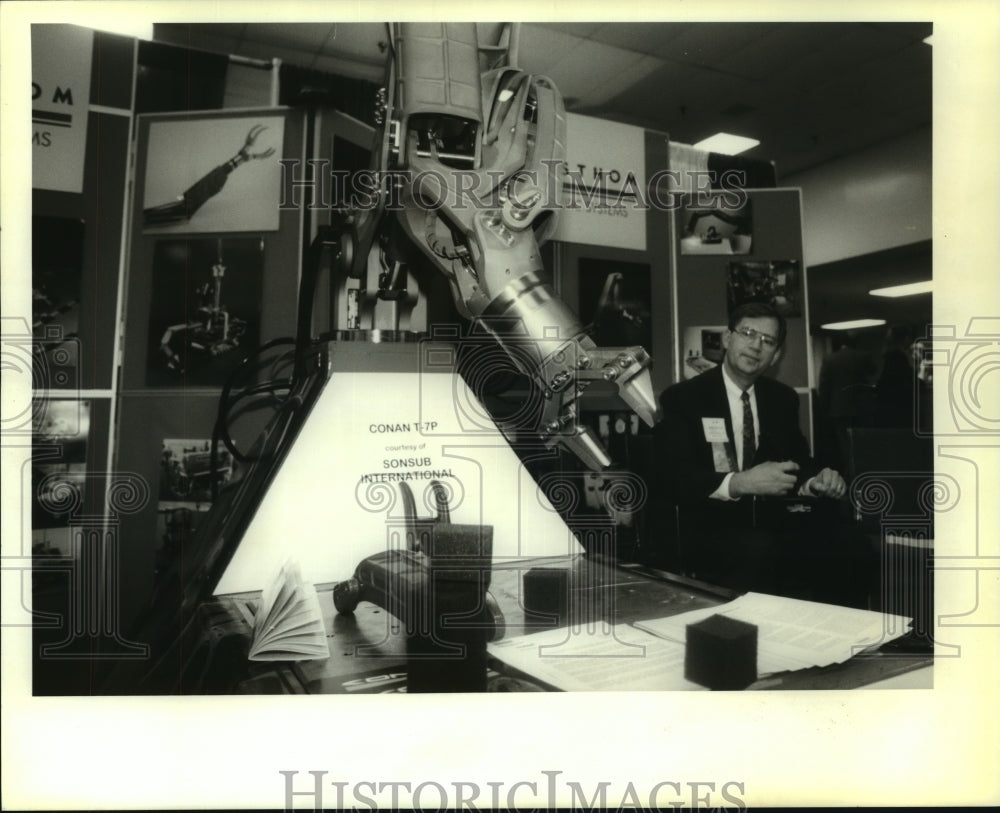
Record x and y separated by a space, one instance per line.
480 161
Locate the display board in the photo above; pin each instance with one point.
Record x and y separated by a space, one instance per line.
78 208
337 499
60 86
755 254
214 264
604 195
207 286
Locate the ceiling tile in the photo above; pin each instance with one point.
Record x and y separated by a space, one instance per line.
307 37
775 50
709 43
219 39
617 82
574 29
665 85
645 38
582 70
348 67
364 41
542 48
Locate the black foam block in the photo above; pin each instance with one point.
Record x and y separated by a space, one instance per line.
546 595
721 653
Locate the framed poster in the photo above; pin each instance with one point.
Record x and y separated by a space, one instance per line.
56 269
205 309
702 349
59 462
188 478
615 301
775 282
716 227
213 175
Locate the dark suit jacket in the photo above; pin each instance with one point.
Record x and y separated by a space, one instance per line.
685 458
685 455
766 544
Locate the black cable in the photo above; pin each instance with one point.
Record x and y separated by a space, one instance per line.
267 388
302 343
307 293
220 430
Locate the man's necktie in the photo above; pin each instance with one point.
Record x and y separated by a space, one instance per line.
749 440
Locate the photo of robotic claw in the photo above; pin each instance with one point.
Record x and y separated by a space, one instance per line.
205 309
206 187
214 331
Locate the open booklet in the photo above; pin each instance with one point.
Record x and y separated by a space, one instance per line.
288 625
792 633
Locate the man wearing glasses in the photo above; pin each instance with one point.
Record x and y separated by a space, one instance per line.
738 468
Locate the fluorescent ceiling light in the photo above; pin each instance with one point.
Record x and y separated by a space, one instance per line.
903 290
726 144
853 324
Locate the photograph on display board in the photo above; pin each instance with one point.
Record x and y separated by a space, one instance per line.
56 268
188 480
716 228
213 175
187 474
205 310
702 349
615 301
59 462
775 282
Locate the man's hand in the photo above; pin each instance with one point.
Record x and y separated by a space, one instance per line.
827 483
765 480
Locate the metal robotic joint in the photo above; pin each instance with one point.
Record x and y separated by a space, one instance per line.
480 195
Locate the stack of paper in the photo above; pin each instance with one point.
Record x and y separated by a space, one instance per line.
597 658
791 633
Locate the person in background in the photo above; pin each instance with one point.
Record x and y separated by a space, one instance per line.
845 397
897 381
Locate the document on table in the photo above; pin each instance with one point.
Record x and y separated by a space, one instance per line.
599 658
792 633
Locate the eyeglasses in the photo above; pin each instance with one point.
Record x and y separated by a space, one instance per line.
751 335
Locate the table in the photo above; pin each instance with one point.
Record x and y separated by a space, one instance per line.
368 649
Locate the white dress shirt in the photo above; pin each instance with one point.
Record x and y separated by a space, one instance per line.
734 395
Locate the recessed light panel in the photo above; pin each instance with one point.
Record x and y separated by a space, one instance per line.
910 289
853 323
726 144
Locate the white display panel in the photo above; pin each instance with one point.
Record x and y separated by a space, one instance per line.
328 504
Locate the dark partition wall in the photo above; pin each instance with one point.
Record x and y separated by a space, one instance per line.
77 242
90 224
208 285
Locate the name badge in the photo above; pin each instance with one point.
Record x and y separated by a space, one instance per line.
715 430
